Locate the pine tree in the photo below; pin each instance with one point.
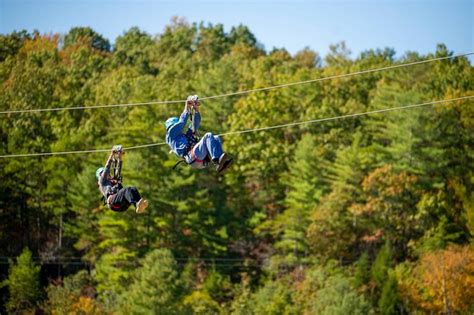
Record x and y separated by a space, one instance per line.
23 284
381 265
389 302
333 229
304 190
154 288
362 271
326 290
274 297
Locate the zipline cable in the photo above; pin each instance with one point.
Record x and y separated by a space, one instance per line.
253 129
338 76
346 116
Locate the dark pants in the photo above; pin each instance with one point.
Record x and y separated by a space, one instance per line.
124 198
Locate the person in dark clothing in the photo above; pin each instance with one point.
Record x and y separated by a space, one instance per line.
117 197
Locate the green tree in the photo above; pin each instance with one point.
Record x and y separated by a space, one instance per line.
211 43
154 287
274 297
86 35
201 303
74 294
337 297
381 265
362 270
389 302
134 47
241 34
334 229
23 284
11 43
218 286
32 81
326 290
304 189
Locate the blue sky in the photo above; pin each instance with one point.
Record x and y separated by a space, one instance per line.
407 25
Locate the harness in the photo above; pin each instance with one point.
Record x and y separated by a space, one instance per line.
113 206
112 192
190 158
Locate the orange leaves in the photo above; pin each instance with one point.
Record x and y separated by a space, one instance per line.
44 43
392 184
443 281
85 305
387 208
386 192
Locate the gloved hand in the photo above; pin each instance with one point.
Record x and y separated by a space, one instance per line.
192 102
196 103
188 105
117 148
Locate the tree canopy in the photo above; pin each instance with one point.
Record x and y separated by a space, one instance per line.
370 214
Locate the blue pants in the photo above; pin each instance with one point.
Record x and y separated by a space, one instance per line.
208 145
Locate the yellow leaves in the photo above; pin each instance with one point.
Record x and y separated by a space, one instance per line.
84 305
40 44
393 184
201 303
443 281
383 188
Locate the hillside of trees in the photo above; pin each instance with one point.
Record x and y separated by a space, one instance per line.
365 215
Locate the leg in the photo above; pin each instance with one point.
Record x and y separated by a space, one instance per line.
214 146
208 145
119 201
124 198
132 195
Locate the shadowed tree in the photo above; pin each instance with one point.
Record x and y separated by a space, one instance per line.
86 35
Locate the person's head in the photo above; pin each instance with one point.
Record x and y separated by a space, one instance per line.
99 172
171 122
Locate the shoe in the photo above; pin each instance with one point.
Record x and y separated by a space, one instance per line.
226 166
142 204
218 162
224 162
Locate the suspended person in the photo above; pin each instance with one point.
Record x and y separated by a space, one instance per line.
117 197
197 153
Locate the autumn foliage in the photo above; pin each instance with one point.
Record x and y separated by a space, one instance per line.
443 281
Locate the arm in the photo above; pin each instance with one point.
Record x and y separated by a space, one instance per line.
107 167
119 167
196 120
175 130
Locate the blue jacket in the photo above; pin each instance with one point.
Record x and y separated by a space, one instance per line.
179 141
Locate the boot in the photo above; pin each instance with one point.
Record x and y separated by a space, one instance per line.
224 162
142 204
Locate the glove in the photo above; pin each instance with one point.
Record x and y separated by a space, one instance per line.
187 107
189 104
192 102
117 149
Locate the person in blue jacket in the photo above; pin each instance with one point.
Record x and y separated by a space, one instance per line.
197 153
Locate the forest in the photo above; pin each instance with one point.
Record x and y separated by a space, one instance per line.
370 214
